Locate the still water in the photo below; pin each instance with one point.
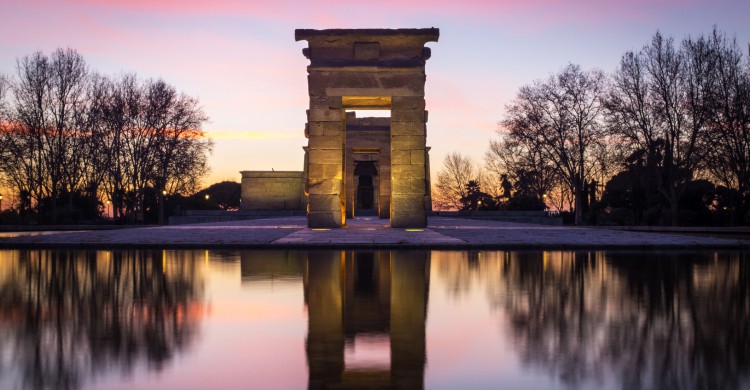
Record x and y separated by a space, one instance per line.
374 319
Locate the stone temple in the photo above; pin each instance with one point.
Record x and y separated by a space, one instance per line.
358 166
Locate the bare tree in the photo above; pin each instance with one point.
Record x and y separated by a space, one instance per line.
728 136
4 86
522 163
450 187
70 131
49 103
155 134
23 160
182 147
563 116
120 107
658 102
69 81
96 156
4 125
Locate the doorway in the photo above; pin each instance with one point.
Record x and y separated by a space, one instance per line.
365 173
365 193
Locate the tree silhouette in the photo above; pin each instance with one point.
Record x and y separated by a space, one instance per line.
72 316
728 150
450 186
70 133
476 200
224 195
646 319
562 118
658 104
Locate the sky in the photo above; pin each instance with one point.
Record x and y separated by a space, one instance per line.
239 58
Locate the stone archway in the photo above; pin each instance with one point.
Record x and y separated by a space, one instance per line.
367 69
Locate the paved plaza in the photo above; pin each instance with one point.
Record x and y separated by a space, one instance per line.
292 232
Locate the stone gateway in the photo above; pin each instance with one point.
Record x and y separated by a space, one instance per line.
365 166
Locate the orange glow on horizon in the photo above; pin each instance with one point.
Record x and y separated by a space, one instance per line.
248 134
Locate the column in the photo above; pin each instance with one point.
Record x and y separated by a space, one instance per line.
384 183
325 162
408 118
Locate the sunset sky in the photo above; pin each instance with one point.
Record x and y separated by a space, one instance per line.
240 58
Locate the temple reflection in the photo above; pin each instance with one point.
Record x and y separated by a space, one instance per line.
604 319
270 265
366 313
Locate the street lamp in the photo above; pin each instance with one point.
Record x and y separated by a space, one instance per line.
1 203
109 202
161 207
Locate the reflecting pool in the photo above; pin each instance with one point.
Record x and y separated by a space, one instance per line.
196 319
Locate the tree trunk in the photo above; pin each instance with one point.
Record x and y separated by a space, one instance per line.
140 212
579 204
53 208
70 202
674 210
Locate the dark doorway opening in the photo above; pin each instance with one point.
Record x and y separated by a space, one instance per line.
365 193
365 173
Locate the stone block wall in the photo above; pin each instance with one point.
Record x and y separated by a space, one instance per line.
369 65
272 190
408 149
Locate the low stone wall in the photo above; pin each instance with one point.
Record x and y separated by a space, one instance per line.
205 216
271 190
744 230
535 217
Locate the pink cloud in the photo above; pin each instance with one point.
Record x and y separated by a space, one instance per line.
531 14
240 60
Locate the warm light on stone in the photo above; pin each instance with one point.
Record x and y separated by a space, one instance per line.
263 190
355 166
385 165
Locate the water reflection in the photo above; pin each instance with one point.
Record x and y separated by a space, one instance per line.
359 319
366 313
640 320
68 316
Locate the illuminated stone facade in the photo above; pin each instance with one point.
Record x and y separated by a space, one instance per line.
367 69
270 190
358 166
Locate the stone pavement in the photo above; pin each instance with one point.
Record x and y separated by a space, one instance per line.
367 232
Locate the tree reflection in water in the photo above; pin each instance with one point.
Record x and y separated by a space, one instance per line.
70 316
676 320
